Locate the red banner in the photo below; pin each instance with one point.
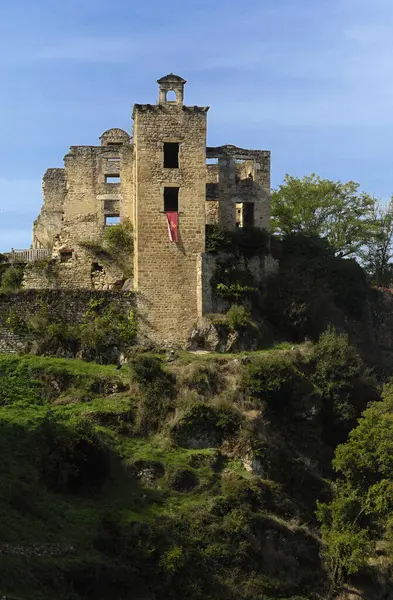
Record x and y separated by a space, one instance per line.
173 226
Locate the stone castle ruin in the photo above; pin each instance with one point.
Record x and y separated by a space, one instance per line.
165 184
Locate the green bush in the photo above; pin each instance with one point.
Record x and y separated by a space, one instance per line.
157 388
238 317
217 239
12 279
205 426
106 327
119 238
241 242
278 385
205 379
341 380
72 458
152 378
233 283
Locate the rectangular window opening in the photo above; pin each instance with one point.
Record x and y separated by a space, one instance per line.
171 155
245 215
65 256
112 220
110 206
171 199
212 161
112 178
114 144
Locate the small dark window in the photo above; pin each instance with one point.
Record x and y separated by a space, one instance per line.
110 206
112 178
171 155
96 268
248 215
115 144
65 256
171 199
112 220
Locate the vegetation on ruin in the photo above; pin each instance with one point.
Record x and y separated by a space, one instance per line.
117 246
119 238
48 267
11 280
104 332
240 242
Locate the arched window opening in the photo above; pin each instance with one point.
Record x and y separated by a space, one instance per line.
171 96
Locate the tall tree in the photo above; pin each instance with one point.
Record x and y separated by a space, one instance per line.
376 256
333 210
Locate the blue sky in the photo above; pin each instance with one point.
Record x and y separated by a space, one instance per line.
310 80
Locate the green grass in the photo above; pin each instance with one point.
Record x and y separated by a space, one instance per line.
187 357
66 392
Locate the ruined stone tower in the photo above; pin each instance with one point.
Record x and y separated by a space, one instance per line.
169 186
170 175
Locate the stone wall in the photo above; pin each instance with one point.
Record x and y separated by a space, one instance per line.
70 304
84 269
260 267
49 222
77 201
243 178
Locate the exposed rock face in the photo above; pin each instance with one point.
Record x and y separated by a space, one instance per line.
218 337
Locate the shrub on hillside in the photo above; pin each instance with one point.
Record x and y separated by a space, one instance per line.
157 388
205 426
359 517
238 317
205 379
72 457
278 385
12 279
313 289
342 382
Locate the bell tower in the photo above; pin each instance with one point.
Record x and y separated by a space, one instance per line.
171 89
170 193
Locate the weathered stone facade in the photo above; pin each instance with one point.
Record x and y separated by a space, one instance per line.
163 167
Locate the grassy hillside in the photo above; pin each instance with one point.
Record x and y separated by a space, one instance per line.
192 479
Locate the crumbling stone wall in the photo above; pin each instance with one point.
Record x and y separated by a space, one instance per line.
211 206
77 201
49 222
71 304
243 177
84 270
